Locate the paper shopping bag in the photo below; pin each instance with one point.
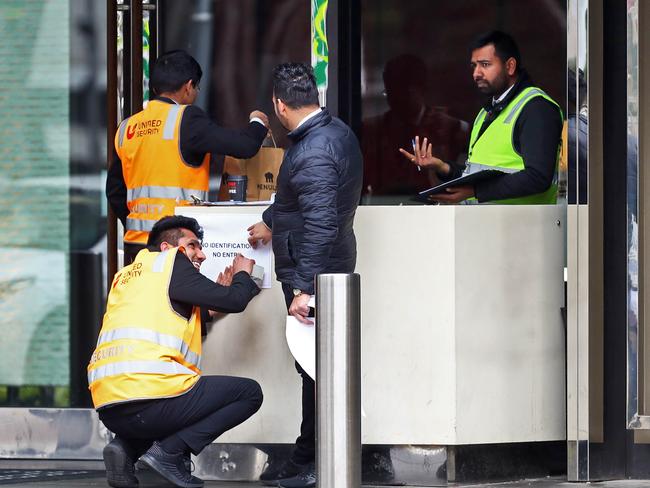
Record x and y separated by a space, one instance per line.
261 170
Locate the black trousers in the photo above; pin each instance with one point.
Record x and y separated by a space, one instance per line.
214 405
305 449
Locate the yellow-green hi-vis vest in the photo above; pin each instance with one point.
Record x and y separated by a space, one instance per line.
495 148
145 349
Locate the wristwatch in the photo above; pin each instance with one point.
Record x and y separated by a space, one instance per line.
297 292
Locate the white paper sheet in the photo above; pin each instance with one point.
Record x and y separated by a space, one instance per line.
301 340
224 236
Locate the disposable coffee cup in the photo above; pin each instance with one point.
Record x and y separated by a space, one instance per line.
237 187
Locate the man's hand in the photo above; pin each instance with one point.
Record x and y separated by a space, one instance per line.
260 115
455 194
241 263
299 308
225 277
423 158
258 232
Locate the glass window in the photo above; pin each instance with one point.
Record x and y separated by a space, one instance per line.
52 159
416 79
238 43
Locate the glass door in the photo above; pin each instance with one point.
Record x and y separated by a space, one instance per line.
53 239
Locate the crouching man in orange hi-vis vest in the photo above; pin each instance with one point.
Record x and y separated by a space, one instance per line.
163 153
145 374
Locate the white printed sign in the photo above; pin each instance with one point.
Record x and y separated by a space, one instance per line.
225 236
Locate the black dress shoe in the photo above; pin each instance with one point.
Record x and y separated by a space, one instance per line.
120 471
172 467
306 479
275 472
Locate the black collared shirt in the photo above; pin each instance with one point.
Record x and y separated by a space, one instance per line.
189 288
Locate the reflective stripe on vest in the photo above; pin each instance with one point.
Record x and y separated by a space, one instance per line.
142 367
122 129
471 168
494 149
156 176
170 122
170 192
148 335
139 224
479 117
145 348
159 262
532 93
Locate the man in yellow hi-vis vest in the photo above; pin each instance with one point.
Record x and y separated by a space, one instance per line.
145 373
518 132
164 152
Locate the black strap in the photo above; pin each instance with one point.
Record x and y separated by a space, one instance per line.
220 162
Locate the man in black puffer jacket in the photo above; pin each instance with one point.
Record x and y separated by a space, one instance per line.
310 224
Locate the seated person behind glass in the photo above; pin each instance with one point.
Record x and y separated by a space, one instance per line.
518 132
385 172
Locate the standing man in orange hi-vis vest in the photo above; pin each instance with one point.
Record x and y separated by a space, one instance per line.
145 376
164 151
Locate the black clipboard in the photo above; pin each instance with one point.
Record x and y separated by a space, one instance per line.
469 179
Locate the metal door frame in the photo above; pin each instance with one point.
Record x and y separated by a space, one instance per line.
585 248
64 437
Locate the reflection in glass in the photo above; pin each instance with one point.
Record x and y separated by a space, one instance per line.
238 43
387 172
53 150
577 134
430 42
636 391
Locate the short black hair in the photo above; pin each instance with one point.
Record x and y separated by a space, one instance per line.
172 70
168 229
295 85
505 46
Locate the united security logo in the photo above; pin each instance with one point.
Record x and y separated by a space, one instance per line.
144 128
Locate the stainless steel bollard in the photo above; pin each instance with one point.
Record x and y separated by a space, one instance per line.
338 380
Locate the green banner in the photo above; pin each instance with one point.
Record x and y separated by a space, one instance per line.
145 57
319 50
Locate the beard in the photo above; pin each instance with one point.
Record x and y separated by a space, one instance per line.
495 87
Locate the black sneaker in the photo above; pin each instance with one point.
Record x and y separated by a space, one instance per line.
172 467
306 479
187 461
120 471
275 472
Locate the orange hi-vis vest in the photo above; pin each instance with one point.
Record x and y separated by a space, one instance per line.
156 176
145 349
